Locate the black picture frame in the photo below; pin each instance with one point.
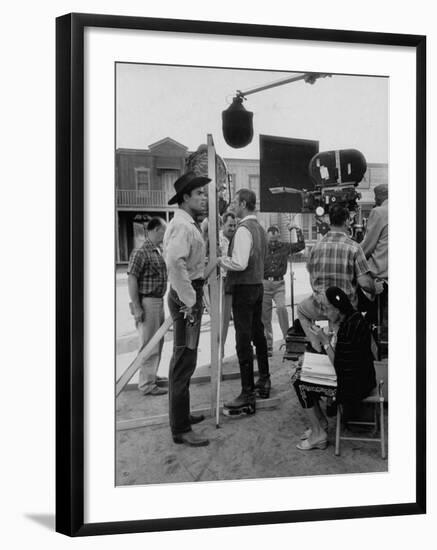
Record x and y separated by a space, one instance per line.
70 273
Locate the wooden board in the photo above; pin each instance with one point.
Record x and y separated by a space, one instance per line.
162 419
142 355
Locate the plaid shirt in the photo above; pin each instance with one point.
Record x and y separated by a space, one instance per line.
275 263
148 266
336 260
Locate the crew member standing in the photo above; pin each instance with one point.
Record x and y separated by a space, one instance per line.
184 252
275 268
147 284
225 238
375 242
375 247
245 267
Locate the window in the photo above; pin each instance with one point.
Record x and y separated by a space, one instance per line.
142 179
309 227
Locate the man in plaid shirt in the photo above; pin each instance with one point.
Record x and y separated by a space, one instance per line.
336 260
147 284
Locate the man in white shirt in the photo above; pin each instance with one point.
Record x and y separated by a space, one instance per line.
184 253
245 270
225 237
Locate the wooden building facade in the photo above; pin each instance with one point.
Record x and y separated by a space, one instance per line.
144 184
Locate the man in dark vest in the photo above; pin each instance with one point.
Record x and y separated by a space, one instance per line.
245 267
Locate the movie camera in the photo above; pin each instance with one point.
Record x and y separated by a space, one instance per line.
335 175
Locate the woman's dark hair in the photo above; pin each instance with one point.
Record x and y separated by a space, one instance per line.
338 299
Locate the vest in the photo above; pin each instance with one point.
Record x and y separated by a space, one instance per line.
254 272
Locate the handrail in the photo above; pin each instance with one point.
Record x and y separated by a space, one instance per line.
135 197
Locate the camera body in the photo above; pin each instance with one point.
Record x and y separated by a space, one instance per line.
336 175
325 197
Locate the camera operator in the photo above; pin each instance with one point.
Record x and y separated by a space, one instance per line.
336 260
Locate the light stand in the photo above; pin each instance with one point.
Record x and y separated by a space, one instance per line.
291 273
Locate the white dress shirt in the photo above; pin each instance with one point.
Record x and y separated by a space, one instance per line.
242 247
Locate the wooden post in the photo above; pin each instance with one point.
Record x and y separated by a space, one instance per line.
213 280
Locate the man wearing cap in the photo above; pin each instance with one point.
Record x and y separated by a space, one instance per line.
375 247
275 267
375 242
184 253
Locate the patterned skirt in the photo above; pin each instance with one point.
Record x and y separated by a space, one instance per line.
309 393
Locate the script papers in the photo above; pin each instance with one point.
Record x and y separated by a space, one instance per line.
318 369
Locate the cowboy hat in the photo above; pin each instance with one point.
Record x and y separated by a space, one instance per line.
186 183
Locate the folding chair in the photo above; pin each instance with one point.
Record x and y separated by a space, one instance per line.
377 397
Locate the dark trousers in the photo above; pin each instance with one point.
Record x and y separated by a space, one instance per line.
184 358
247 301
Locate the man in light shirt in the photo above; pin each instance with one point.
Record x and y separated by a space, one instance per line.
245 269
375 242
225 238
184 253
375 247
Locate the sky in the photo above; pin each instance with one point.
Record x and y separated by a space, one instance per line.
185 103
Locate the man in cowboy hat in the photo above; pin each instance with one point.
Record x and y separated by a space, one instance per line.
184 253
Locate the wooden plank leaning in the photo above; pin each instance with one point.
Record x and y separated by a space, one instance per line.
142 355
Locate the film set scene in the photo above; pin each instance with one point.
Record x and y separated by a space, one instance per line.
251 246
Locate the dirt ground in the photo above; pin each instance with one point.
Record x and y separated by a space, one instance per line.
258 446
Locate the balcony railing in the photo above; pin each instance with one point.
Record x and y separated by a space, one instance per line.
132 197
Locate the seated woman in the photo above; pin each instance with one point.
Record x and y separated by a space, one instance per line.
349 350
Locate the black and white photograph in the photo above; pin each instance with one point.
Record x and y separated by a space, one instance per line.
218 277
251 273
241 336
